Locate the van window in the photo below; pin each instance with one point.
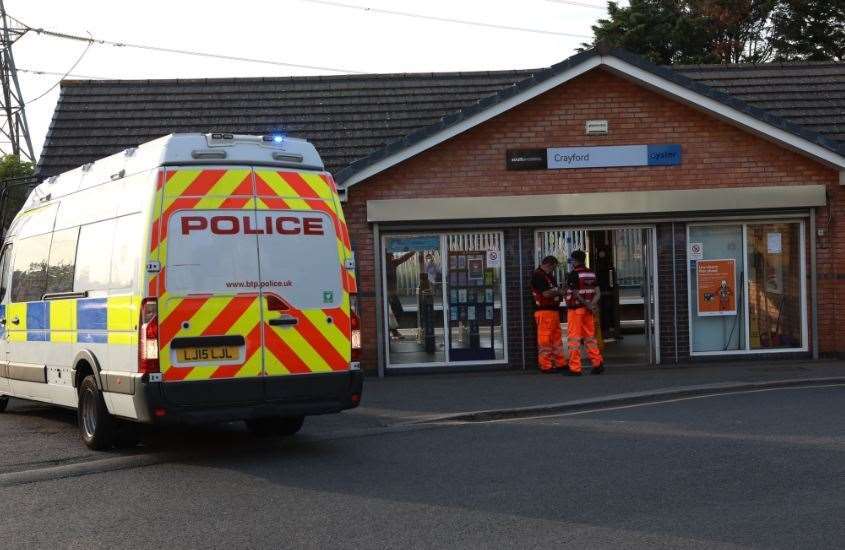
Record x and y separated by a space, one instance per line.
125 259
301 264
93 261
62 260
29 270
5 264
212 251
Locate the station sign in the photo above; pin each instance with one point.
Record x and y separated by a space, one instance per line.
561 158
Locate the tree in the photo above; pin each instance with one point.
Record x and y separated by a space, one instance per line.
14 187
809 30
725 31
12 167
664 31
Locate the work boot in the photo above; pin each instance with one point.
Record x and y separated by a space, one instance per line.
598 369
549 371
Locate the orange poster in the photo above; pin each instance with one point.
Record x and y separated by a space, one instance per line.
716 287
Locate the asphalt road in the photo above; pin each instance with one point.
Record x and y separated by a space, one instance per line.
761 469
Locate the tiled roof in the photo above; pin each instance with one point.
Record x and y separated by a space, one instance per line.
362 117
346 117
811 95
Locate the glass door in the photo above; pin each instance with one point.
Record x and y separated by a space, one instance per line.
413 283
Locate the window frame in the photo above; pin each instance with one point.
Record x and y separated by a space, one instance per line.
744 223
443 235
6 256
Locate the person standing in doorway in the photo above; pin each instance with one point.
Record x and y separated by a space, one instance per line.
391 264
547 297
582 303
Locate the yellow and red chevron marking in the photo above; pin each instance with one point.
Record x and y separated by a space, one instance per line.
307 191
313 345
193 188
211 316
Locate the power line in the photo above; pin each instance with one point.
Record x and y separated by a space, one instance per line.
579 4
444 19
59 81
92 40
38 72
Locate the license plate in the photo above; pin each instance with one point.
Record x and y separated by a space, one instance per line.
207 354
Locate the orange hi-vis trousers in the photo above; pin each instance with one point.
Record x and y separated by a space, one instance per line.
582 326
549 340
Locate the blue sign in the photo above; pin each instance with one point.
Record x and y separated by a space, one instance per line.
615 155
416 244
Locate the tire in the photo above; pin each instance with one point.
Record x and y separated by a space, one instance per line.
275 425
95 423
127 435
4 402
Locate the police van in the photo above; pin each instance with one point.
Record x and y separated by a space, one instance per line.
197 277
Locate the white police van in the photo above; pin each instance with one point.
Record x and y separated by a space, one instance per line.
204 277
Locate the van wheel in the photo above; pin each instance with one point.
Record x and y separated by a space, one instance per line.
4 402
95 423
275 425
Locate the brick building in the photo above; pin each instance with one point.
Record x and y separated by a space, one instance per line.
706 197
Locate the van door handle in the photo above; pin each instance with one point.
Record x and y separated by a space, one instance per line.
16 320
284 321
3 321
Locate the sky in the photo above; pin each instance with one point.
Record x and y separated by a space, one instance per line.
318 33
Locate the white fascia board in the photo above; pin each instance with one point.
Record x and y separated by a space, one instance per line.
472 121
727 113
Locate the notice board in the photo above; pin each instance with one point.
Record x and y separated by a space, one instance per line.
716 287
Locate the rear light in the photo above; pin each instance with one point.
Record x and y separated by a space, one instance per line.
148 337
356 334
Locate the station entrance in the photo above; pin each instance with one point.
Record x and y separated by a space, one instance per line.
624 260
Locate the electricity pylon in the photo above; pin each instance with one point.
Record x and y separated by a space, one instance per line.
13 127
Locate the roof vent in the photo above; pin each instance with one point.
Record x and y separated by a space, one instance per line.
87 166
50 180
208 154
288 157
118 175
130 151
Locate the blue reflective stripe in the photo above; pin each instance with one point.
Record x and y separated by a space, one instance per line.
37 316
2 316
37 322
91 314
92 337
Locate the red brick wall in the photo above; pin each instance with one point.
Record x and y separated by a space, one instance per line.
715 154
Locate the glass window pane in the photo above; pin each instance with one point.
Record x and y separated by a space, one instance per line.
126 254
474 293
62 259
93 265
774 285
5 264
716 283
414 283
29 277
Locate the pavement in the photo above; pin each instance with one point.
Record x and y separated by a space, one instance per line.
760 469
407 398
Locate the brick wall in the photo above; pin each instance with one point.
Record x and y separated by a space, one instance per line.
715 154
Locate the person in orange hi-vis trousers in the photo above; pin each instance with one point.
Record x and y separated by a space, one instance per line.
582 302
547 297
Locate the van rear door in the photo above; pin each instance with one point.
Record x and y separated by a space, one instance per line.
301 251
209 302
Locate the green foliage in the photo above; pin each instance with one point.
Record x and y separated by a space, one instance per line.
725 31
809 30
12 167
